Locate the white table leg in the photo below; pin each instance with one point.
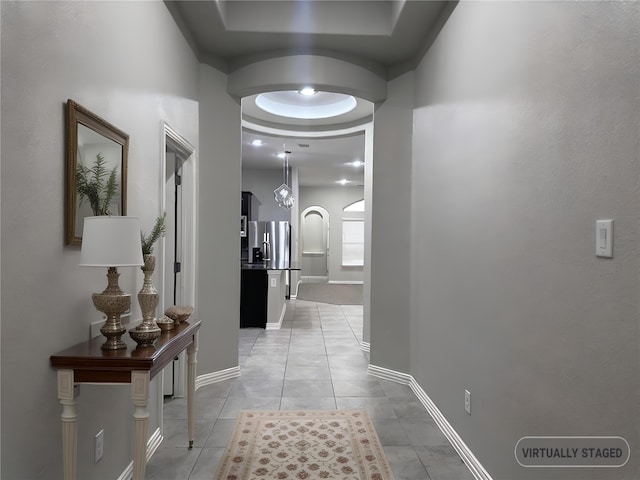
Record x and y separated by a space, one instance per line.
140 396
69 424
192 351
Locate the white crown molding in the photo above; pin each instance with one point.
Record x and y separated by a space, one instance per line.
470 460
365 347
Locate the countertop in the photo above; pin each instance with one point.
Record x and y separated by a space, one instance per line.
270 265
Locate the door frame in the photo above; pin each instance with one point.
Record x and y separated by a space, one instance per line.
172 139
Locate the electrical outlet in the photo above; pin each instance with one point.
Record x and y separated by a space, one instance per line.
467 401
95 329
99 446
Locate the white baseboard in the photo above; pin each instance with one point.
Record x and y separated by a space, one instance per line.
278 324
365 347
311 279
470 460
152 445
387 374
214 377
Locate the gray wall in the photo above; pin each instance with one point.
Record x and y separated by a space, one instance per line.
334 199
218 239
391 227
52 52
526 133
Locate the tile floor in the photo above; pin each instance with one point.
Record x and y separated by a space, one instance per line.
313 362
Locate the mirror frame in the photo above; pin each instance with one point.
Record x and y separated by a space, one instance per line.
78 115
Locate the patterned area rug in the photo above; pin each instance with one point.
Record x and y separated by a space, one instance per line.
304 445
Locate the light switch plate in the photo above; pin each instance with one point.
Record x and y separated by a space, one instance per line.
604 238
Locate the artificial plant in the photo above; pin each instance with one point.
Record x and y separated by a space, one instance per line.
97 185
158 230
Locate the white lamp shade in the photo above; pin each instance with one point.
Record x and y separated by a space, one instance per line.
111 242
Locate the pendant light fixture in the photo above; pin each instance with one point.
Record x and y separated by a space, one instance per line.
283 194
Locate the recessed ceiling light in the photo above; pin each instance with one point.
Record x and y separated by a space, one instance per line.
281 155
256 143
356 163
307 91
344 181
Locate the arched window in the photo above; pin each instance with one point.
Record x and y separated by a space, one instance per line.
355 207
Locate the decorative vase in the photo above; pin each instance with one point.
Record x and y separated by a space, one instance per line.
148 331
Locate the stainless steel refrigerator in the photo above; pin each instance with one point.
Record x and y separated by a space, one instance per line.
269 242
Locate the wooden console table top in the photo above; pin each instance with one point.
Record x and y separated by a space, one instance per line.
92 364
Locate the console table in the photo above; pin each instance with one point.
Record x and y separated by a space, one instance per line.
87 363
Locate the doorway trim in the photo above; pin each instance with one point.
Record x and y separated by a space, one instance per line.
172 139
367 129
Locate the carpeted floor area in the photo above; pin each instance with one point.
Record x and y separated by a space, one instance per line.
304 444
333 293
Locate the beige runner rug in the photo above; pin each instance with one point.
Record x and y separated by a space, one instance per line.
304 445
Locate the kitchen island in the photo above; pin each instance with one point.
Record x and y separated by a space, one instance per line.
263 291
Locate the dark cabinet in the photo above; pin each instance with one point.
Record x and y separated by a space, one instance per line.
248 212
253 298
249 207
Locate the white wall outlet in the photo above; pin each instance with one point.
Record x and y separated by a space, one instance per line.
95 329
274 282
467 401
99 446
604 238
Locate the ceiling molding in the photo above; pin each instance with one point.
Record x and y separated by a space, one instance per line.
295 71
384 36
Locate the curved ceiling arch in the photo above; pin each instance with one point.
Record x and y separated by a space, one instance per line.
294 72
323 148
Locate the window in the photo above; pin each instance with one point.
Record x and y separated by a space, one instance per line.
355 207
352 242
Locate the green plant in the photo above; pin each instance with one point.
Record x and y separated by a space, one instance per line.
158 230
97 185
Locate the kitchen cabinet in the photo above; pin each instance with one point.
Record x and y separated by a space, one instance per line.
263 293
253 298
249 206
248 211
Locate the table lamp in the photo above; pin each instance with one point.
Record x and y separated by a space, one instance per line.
111 242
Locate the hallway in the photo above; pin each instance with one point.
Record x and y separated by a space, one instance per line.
313 362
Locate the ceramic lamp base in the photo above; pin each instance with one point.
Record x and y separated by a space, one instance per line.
113 303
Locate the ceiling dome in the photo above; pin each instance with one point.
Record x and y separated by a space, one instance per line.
294 104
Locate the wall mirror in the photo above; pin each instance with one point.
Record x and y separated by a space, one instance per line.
96 170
